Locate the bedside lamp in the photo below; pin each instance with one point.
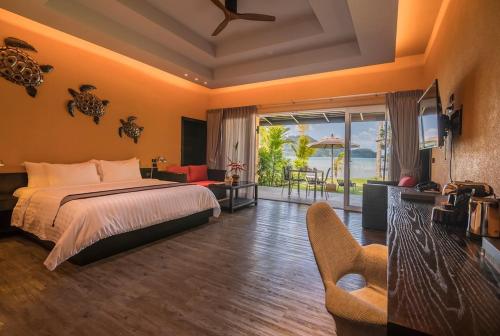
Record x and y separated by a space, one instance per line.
154 163
2 164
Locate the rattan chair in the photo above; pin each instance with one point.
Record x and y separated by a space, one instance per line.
337 254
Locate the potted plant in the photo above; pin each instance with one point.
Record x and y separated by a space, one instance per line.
236 166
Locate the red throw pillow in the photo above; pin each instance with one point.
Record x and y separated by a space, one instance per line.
198 173
407 181
178 170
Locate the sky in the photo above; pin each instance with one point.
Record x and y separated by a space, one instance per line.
362 133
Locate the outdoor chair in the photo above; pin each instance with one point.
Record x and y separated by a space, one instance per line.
342 184
298 179
320 181
312 180
286 178
289 179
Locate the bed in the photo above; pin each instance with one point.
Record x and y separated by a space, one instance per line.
85 223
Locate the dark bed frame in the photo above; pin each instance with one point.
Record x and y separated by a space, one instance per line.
107 247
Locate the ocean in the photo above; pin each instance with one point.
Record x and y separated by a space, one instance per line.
360 167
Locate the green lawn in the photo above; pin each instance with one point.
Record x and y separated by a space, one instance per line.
358 190
354 191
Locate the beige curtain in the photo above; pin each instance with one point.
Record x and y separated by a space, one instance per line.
394 168
403 114
215 159
239 126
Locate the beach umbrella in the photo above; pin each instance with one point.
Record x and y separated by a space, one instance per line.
331 142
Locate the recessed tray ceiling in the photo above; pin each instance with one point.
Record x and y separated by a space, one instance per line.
308 36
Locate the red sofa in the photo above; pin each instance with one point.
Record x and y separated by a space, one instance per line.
199 175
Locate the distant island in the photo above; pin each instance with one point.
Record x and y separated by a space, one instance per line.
327 152
363 153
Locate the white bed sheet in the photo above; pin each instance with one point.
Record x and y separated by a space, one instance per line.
80 223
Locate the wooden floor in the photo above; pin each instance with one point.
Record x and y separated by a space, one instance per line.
247 273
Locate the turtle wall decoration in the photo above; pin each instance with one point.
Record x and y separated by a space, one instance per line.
87 102
19 68
130 128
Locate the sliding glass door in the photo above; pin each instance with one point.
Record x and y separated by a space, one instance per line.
366 151
334 152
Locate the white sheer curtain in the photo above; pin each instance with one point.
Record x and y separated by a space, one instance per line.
239 126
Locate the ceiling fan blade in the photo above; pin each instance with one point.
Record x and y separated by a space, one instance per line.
220 27
220 5
255 17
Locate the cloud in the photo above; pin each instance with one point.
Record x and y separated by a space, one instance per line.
365 138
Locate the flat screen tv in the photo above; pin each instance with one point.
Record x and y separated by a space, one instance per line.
431 126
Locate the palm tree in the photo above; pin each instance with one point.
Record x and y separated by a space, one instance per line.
271 158
302 151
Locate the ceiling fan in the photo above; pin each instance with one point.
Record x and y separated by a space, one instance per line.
231 13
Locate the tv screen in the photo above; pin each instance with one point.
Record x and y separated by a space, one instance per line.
430 122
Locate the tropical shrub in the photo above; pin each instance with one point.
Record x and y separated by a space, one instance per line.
271 158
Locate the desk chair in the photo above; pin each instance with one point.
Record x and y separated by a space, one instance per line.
337 254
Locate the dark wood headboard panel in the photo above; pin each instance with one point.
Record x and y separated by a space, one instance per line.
9 182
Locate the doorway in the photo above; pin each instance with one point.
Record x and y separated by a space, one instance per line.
366 157
344 147
193 141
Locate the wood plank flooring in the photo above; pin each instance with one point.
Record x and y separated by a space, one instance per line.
247 273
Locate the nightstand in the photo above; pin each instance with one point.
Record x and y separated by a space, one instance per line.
7 204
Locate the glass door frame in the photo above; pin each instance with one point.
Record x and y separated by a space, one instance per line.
347 163
347 148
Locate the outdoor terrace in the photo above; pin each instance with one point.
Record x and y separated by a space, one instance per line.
335 199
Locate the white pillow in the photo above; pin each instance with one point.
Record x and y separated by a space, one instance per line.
37 176
114 171
99 167
72 174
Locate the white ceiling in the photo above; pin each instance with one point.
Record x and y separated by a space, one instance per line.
308 36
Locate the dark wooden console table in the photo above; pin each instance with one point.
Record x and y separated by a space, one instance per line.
438 283
234 201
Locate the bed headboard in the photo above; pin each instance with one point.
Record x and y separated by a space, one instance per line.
9 182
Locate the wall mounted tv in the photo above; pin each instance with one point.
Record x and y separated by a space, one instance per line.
431 121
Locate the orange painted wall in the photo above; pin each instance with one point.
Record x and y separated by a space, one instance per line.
404 74
41 129
466 60
465 57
